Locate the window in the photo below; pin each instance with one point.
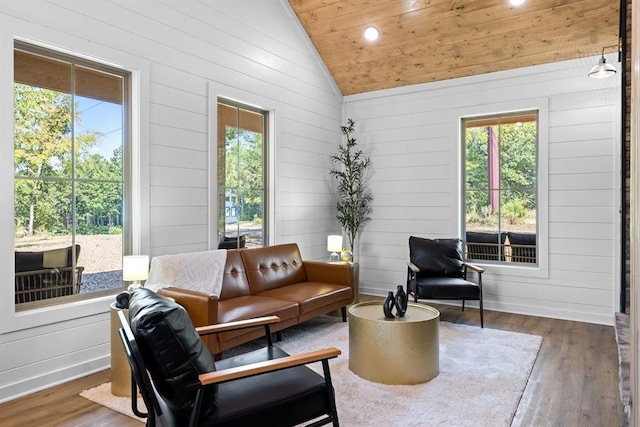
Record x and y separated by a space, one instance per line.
241 175
71 120
500 194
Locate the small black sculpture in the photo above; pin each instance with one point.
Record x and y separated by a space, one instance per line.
387 306
399 301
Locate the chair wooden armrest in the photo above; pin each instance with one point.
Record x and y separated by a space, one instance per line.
413 267
474 268
268 366
240 324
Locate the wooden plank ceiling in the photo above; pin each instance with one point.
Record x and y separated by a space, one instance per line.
430 40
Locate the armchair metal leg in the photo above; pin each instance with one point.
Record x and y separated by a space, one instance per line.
462 305
481 315
134 401
343 311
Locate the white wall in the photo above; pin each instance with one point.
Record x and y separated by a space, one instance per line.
182 52
412 135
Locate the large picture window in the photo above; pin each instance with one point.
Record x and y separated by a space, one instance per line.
500 194
71 120
241 175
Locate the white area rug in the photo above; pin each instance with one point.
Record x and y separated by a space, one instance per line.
483 373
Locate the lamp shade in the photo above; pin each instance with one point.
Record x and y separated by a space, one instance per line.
334 243
602 70
135 268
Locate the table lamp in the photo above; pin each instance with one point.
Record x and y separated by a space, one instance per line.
134 269
334 245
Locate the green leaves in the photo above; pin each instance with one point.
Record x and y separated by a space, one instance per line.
47 162
354 197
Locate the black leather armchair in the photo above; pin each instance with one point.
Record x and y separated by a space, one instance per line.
437 271
182 385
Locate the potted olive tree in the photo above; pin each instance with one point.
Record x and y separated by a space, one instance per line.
354 197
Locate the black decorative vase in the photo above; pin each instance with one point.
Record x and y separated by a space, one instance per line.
388 304
401 301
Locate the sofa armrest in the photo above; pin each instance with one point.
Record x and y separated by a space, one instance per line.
202 308
319 271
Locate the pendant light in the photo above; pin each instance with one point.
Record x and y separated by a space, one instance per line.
603 69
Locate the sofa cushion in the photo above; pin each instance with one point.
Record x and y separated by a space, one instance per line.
234 279
174 353
248 307
312 295
273 267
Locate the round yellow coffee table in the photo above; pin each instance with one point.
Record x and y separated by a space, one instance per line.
402 350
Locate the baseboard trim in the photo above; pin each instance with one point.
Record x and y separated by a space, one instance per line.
53 378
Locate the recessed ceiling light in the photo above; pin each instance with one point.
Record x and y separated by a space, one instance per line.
516 2
371 33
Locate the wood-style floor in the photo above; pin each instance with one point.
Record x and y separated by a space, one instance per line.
574 381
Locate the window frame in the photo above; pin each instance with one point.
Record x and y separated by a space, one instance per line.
76 61
486 121
12 320
457 128
273 107
265 156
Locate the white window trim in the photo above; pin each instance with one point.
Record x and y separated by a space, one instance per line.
273 108
542 106
10 319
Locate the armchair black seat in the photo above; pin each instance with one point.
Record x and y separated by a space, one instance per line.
181 383
437 271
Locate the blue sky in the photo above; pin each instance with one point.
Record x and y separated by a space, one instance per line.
104 117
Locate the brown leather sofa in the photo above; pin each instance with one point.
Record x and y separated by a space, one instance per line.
268 281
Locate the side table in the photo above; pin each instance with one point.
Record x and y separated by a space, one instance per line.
402 350
120 369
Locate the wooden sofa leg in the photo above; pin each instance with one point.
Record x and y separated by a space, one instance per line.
343 310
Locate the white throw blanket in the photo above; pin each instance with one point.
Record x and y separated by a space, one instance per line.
196 271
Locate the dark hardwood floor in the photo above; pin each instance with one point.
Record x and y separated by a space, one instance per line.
574 381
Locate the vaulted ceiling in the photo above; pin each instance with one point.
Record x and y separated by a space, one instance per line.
430 40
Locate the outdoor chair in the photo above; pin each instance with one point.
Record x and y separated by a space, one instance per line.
182 385
523 247
483 246
232 242
436 270
46 274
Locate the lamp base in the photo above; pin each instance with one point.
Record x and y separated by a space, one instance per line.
334 257
135 285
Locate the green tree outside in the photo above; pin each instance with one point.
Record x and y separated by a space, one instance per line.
44 160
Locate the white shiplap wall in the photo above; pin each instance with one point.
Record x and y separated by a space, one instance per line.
253 51
412 135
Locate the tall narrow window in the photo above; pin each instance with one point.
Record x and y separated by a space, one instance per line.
70 146
500 192
241 176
